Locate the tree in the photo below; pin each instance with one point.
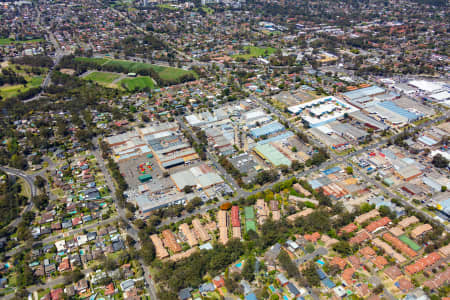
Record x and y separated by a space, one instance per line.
147 252
41 201
248 271
378 289
439 161
284 169
110 264
40 182
73 276
311 275
343 247
23 232
188 189
288 264
309 248
349 170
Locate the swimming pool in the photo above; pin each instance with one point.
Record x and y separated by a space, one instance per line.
239 265
82 252
272 288
285 297
320 262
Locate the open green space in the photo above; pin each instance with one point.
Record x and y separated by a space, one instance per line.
167 6
256 52
96 60
138 83
405 239
8 91
9 41
104 78
208 10
165 73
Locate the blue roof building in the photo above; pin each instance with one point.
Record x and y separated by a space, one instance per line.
328 283
267 129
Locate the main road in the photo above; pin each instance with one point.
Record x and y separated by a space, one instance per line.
29 179
131 231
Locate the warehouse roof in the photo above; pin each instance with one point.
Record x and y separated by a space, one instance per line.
364 92
267 129
271 154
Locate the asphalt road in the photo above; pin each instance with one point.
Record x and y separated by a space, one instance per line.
131 231
29 179
49 284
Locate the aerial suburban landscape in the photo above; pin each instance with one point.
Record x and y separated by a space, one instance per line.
224 149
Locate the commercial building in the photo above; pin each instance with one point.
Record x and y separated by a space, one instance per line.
267 129
361 97
200 177
390 113
322 111
146 203
272 155
170 148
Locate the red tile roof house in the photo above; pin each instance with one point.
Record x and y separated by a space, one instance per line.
56 294
76 221
348 228
218 282
362 290
380 262
404 285
378 224
64 265
354 261
393 272
340 262
422 263
312 237
367 252
438 280
347 276
110 290
360 237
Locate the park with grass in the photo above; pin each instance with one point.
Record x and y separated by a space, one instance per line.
253 51
10 41
165 73
103 78
138 83
33 80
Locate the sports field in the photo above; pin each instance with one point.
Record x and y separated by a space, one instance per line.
405 239
166 73
137 83
256 52
104 78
